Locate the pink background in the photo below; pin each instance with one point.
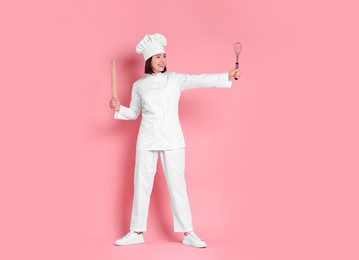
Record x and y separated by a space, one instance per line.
272 164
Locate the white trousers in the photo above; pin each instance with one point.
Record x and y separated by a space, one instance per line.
173 164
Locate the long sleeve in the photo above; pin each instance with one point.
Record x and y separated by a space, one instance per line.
132 112
204 81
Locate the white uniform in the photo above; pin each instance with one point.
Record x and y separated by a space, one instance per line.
158 96
161 132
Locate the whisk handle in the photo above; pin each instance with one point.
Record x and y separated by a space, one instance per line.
237 67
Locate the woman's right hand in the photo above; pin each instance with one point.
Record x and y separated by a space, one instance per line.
115 104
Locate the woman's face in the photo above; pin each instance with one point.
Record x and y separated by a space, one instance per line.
158 62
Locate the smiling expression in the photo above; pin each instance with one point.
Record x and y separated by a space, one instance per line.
158 62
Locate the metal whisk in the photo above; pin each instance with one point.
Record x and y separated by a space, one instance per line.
237 47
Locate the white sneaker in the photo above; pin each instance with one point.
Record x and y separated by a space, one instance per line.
193 240
131 238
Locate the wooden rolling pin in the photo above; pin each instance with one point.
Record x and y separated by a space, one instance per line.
113 80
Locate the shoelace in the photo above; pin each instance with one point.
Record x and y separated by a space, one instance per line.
128 235
194 235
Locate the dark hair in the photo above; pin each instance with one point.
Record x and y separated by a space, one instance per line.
148 67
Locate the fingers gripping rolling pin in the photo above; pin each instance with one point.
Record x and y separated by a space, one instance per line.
113 80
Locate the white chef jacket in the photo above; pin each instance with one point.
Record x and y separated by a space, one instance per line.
158 96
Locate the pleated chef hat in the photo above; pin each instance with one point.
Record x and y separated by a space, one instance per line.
151 44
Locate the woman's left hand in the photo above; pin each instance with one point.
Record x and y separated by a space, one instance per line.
234 74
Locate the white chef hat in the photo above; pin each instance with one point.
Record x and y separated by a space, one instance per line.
151 44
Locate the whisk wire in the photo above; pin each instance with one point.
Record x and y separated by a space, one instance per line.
237 49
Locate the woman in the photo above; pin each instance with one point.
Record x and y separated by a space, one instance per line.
157 94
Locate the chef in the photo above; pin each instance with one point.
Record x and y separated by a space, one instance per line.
157 94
